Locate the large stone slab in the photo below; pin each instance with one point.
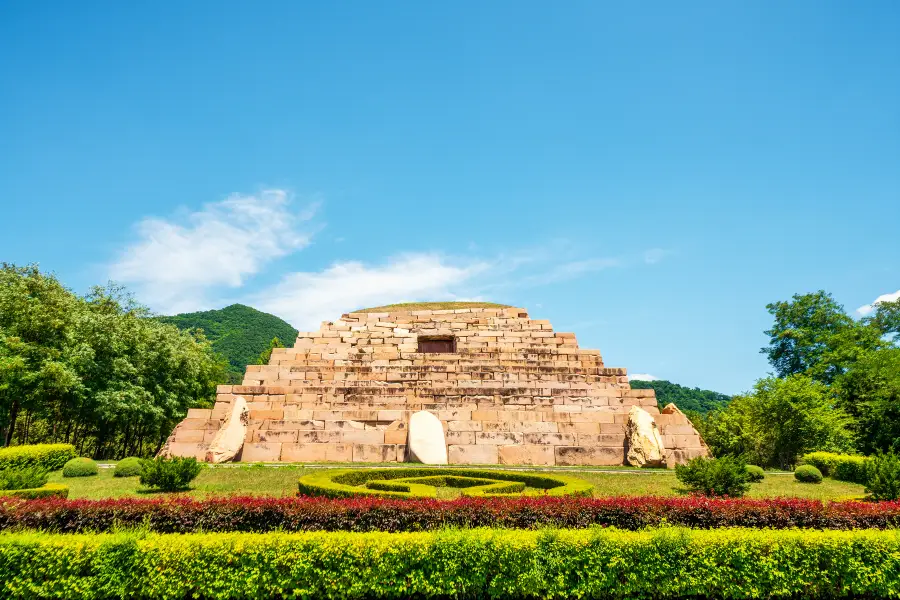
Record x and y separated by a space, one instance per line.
645 445
426 443
229 440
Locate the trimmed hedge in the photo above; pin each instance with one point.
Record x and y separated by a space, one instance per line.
808 474
128 467
755 473
261 514
662 563
51 457
844 467
423 483
48 490
80 467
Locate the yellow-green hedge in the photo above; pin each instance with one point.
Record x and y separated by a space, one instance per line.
48 490
423 483
845 467
666 563
46 456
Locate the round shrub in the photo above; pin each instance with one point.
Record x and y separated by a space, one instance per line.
80 467
128 467
756 473
808 474
726 476
169 474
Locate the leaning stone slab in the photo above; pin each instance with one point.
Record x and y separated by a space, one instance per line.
645 445
426 442
230 438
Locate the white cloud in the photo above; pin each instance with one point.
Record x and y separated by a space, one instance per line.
173 265
654 255
868 309
642 377
306 299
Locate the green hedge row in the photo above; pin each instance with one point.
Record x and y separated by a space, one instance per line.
49 490
845 467
481 563
51 457
423 483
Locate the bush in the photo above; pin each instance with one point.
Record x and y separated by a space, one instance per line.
80 467
844 467
423 483
49 490
657 563
169 474
883 477
808 474
22 479
51 457
174 514
726 476
755 474
128 467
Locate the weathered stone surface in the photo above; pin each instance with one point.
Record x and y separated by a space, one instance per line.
426 443
229 440
645 446
510 385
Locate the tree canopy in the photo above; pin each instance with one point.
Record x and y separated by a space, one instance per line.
94 370
836 386
687 399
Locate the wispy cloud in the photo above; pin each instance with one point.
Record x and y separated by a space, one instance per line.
642 377
868 309
305 299
175 263
654 255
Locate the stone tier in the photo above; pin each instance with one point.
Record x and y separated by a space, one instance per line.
512 391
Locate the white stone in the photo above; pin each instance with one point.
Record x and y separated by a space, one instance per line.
229 440
426 443
645 445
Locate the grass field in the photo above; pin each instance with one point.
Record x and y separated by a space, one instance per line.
282 481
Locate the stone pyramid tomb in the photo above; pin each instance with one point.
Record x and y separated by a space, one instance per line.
502 388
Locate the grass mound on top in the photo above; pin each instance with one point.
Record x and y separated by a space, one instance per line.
423 483
409 306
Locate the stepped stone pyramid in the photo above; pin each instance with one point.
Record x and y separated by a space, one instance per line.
508 389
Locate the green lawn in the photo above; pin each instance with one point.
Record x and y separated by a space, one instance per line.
282 481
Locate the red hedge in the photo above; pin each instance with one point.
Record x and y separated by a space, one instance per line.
177 515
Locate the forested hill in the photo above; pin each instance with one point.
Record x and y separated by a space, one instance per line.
685 398
238 332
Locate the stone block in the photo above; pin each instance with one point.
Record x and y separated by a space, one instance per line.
552 439
613 440
270 414
191 435
498 438
478 454
526 455
395 436
368 436
458 437
188 449
534 426
261 452
374 453
273 435
463 426
582 455
199 413
585 428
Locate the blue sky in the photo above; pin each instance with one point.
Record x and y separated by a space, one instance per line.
647 175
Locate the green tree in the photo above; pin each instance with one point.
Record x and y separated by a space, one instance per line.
778 422
813 335
870 392
265 355
94 371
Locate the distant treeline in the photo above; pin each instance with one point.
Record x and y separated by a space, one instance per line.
237 332
687 399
